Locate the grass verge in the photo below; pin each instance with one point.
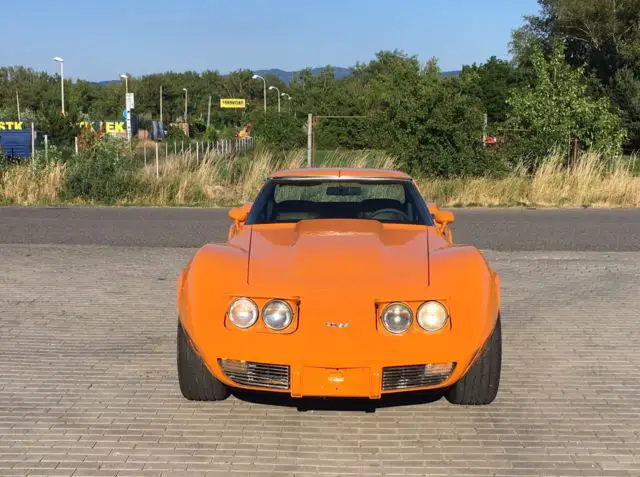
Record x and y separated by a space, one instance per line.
212 180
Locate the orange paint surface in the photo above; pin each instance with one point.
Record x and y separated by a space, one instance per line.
339 272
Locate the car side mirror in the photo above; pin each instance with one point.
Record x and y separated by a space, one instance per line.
444 217
239 216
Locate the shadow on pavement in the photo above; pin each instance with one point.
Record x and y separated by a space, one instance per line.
340 404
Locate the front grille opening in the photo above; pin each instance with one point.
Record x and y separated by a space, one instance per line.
248 373
415 376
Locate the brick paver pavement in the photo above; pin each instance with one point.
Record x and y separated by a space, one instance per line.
88 381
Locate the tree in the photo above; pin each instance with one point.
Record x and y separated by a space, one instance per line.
601 35
556 108
626 94
426 121
492 83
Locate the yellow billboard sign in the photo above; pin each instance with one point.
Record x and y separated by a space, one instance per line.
11 126
232 103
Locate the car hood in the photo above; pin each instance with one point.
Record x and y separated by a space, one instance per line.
334 254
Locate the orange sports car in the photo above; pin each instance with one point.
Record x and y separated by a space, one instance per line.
339 283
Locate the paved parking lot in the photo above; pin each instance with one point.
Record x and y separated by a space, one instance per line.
88 380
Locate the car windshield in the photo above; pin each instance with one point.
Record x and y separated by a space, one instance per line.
385 200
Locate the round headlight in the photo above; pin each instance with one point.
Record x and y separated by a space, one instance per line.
432 316
243 313
277 315
396 318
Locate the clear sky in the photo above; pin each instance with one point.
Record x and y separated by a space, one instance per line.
99 39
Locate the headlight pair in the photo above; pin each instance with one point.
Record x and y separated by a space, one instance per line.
276 314
431 316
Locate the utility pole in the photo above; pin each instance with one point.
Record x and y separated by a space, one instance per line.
18 103
484 131
209 113
309 138
160 104
186 96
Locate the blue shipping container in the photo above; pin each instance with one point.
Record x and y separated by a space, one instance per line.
15 144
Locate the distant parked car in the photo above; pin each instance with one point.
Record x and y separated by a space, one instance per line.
339 282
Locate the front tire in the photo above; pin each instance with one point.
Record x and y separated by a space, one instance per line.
196 381
480 385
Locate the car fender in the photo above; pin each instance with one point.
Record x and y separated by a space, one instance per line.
472 289
213 272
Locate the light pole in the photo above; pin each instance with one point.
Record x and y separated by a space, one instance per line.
278 93
264 92
186 96
18 103
126 105
288 101
126 83
61 61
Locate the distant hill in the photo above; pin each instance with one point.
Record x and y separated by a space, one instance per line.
287 76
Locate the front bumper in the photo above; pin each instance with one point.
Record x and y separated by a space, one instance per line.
300 381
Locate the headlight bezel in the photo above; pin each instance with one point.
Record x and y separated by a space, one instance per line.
384 323
264 314
255 307
442 306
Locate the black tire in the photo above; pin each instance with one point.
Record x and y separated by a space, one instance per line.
196 381
480 384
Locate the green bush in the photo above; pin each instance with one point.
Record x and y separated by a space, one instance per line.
281 131
176 134
105 173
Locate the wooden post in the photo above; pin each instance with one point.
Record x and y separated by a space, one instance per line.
33 145
157 163
309 138
46 149
574 152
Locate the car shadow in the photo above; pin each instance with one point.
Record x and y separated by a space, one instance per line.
339 404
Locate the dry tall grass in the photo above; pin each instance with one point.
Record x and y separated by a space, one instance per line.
592 181
26 185
215 180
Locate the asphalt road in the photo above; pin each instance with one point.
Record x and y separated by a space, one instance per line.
489 229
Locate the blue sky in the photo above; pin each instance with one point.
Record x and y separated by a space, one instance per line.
101 39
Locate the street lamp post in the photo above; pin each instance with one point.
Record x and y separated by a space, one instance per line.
288 101
264 92
18 103
278 93
186 96
126 105
61 61
126 83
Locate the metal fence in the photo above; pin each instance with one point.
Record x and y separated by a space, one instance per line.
222 147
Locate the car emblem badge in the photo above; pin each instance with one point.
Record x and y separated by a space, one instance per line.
331 324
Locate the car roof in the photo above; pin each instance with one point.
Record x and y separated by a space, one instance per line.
335 172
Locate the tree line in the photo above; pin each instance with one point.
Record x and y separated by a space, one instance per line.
572 78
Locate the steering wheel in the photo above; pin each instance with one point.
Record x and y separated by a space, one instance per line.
396 212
